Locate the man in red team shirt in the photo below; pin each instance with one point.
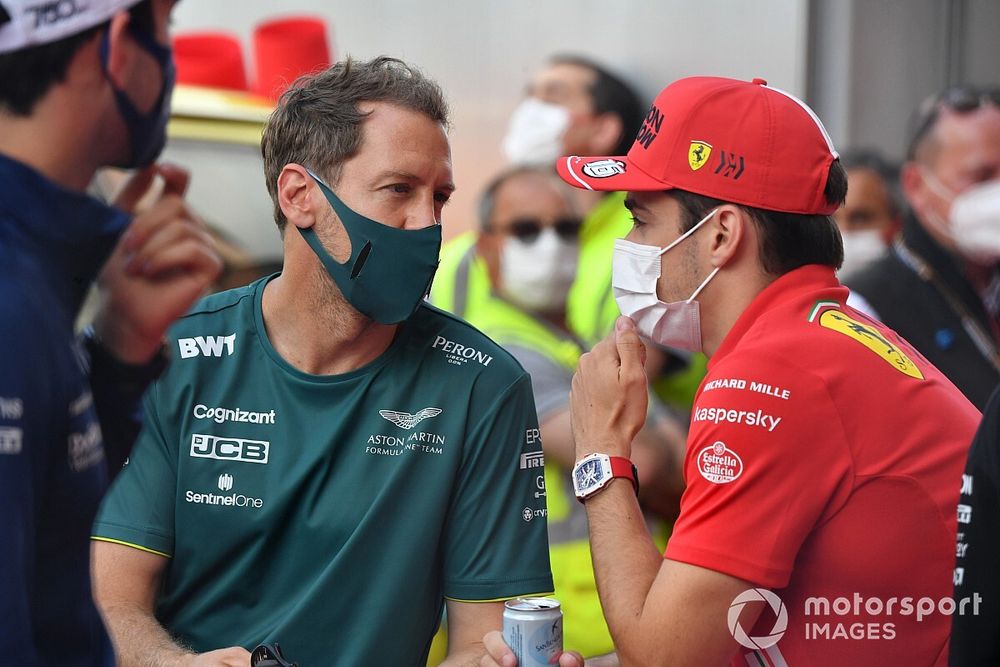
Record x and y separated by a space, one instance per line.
825 453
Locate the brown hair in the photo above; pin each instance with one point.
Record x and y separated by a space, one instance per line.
786 240
317 122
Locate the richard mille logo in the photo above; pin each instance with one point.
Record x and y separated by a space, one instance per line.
406 420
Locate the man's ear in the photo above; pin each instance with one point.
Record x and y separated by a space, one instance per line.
120 60
608 128
294 196
914 186
729 228
488 248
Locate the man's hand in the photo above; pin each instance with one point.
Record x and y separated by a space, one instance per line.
608 401
162 264
499 654
235 656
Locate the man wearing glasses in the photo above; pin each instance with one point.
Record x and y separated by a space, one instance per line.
938 287
529 245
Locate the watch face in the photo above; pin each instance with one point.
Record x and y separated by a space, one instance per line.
588 474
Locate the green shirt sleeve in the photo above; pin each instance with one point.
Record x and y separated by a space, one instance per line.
138 510
495 543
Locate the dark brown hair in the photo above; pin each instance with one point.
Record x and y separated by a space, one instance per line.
787 240
317 122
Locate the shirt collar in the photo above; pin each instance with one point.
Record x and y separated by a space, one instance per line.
789 287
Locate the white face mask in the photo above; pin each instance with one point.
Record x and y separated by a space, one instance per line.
861 248
974 216
535 132
975 223
536 276
635 273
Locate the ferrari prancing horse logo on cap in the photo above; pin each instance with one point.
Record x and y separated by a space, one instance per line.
698 154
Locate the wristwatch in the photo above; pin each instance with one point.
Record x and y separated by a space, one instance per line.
595 471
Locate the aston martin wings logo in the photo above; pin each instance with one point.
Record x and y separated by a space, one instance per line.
406 420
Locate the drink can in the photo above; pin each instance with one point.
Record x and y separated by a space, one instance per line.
532 628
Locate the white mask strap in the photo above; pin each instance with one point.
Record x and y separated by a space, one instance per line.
702 285
936 186
689 232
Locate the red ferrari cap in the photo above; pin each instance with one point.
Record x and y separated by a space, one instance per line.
746 143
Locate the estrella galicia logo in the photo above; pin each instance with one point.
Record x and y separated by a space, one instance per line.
407 421
780 618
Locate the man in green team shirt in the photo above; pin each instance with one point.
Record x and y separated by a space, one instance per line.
329 461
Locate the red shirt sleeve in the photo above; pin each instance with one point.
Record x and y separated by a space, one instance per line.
766 460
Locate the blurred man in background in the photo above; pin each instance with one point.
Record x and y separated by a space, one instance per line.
82 85
573 106
872 214
939 287
529 243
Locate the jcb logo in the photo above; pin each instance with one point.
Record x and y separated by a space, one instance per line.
229 449
208 346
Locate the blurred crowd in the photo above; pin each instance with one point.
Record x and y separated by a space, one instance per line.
538 276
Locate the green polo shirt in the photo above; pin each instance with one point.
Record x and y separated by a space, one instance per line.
332 514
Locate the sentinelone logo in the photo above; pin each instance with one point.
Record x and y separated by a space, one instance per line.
856 606
225 483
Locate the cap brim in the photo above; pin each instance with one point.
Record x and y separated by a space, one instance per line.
612 173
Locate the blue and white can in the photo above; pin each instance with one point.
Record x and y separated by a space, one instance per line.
532 628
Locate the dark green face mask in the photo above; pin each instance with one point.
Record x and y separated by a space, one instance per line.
389 271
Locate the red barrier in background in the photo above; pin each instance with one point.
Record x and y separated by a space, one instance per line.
213 59
287 48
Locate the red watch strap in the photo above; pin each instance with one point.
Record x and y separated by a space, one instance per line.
622 467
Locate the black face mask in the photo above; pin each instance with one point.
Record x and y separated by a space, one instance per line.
147 132
389 271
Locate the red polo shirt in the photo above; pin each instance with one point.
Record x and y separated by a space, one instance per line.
824 463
